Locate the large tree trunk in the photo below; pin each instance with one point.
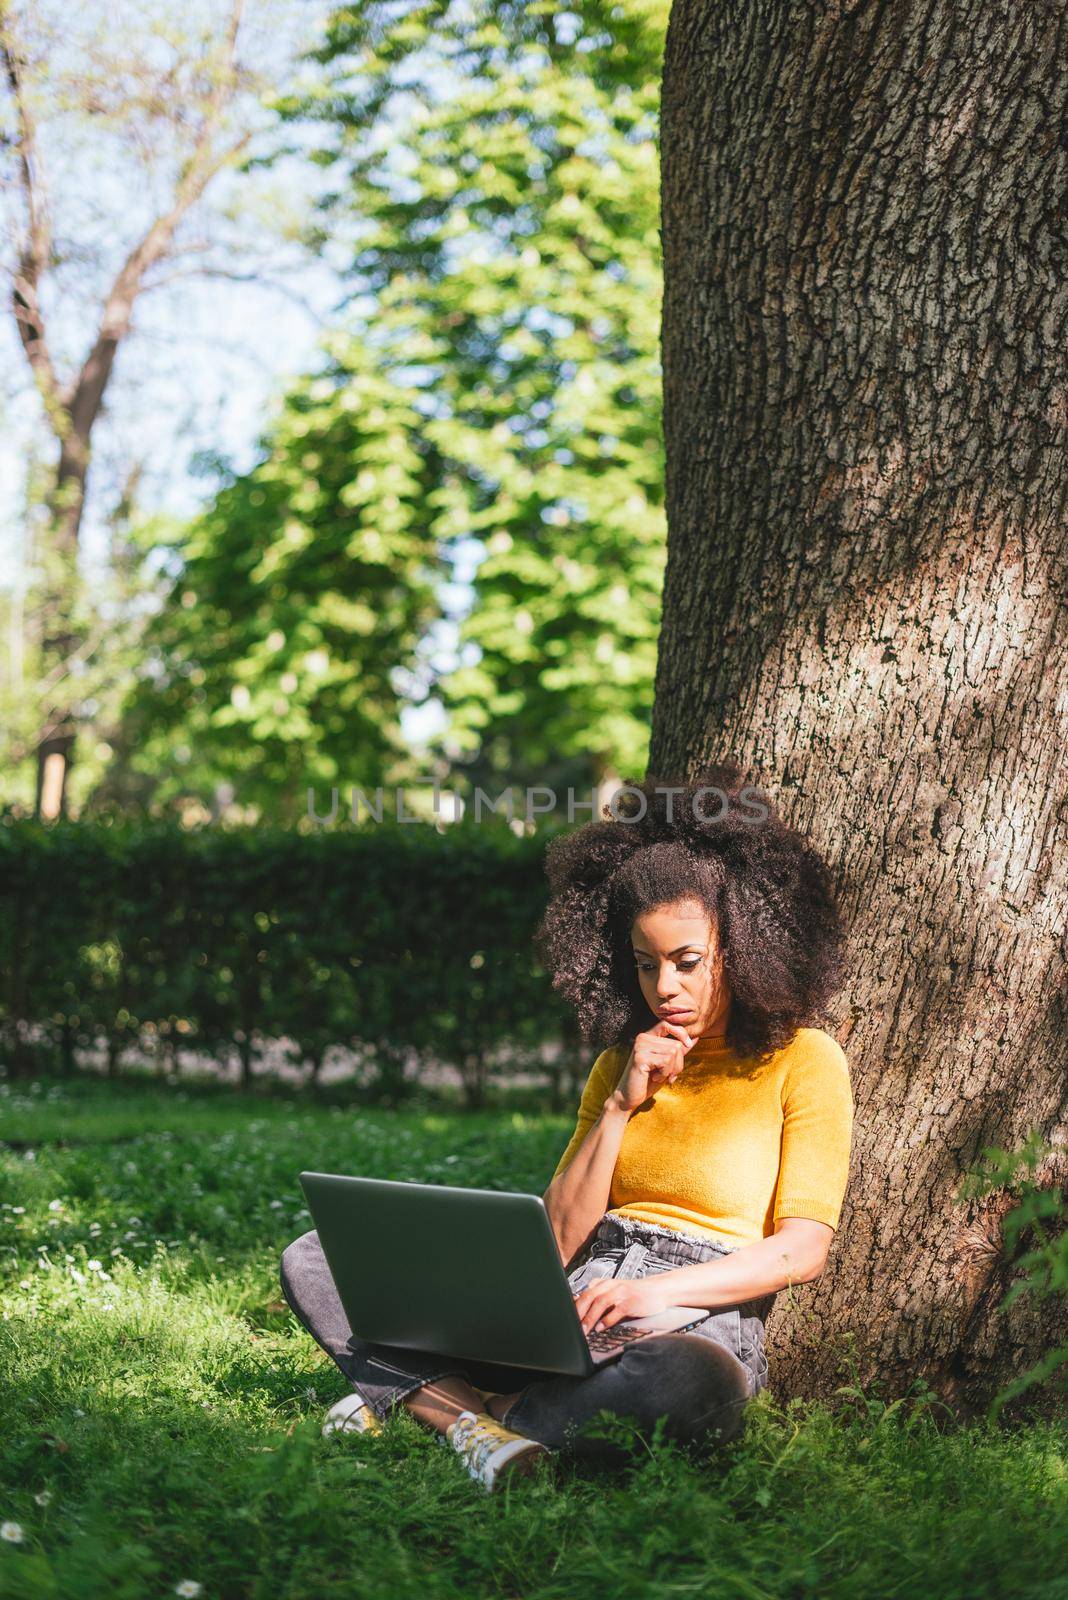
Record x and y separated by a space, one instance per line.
55 748
54 754
864 421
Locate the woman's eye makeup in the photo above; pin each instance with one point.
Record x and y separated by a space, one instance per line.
684 966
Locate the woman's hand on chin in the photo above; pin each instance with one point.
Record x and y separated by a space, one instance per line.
607 1301
657 1057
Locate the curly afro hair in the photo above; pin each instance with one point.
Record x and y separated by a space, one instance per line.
765 887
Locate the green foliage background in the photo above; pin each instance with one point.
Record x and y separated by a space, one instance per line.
398 943
490 395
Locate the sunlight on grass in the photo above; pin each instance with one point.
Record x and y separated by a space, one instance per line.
161 1406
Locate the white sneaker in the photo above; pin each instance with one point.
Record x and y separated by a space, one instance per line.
351 1414
485 1446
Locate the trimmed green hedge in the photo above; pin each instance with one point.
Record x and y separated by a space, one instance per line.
384 938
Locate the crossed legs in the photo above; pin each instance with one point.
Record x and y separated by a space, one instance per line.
699 1386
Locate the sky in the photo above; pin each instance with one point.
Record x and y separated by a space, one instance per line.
209 355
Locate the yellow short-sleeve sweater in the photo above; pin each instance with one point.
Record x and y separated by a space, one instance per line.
731 1146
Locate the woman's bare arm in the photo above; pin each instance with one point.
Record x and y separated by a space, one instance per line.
577 1199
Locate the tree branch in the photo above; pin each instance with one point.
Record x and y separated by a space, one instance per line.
36 248
230 275
84 396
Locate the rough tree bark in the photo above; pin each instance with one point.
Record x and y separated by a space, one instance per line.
864 420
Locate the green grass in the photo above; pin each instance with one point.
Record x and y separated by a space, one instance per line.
166 1406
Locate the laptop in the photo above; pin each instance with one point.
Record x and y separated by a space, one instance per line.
471 1273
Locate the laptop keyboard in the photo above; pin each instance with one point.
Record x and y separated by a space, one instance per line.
608 1338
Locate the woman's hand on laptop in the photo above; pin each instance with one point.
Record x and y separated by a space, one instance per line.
607 1301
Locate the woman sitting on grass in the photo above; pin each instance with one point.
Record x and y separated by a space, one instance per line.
711 1153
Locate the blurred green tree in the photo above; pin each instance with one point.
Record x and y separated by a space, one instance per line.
493 401
302 594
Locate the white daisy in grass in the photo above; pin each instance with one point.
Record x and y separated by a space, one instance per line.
11 1532
43 1497
188 1589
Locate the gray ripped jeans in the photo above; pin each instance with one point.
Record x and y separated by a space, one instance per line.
698 1381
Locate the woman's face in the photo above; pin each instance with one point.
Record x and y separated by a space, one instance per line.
680 972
